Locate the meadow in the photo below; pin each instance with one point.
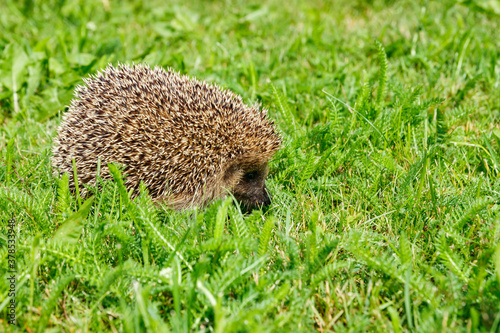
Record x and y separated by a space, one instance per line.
385 213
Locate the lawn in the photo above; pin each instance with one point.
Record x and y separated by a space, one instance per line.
385 211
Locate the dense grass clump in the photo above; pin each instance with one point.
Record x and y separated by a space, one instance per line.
385 213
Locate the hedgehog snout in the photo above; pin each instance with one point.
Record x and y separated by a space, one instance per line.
250 188
253 198
267 198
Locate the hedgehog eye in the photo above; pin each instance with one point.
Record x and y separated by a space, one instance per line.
249 176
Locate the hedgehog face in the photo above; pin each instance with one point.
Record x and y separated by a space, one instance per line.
248 185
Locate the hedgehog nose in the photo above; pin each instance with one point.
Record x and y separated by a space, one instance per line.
267 199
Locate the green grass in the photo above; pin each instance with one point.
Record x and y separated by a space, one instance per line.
386 193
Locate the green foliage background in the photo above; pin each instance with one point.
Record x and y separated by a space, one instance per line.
385 213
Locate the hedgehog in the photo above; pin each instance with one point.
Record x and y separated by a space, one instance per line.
189 141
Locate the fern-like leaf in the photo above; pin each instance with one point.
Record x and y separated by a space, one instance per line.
450 260
472 212
334 116
441 127
63 195
327 272
382 74
284 108
220 219
321 257
265 236
362 102
239 225
309 167
404 249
